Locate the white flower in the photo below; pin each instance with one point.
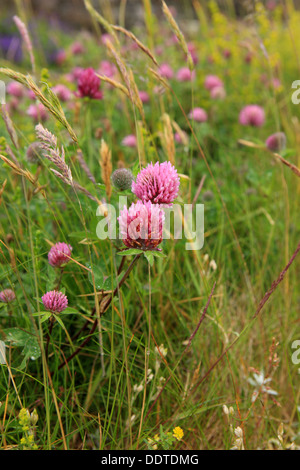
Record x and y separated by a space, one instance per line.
260 383
238 443
213 265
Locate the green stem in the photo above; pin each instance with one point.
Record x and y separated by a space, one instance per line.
106 305
51 322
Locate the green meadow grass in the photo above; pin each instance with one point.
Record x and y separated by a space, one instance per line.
182 337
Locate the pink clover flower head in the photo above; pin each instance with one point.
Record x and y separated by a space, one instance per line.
198 115
15 89
38 112
218 93
141 226
60 57
130 141
252 115
181 138
59 254
166 71
184 74
212 81
75 73
7 295
276 142
55 301
144 96
77 48
89 85
63 93
107 69
158 183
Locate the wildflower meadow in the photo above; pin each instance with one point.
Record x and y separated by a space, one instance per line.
150 234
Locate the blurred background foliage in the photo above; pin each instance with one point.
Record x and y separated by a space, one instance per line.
72 13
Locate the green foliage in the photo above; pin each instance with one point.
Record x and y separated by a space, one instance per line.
25 340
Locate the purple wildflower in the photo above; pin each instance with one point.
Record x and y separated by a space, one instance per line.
59 254
55 301
142 225
77 48
38 112
276 142
181 138
185 75
166 71
15 89
75 73
157 183
63 93
107 69
60 57
252 115
198 115
144 96
89 85
129 141
7 295
218 93
212 81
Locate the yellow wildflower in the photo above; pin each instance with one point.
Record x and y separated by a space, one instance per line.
178 433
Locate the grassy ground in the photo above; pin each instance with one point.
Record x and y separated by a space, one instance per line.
182 337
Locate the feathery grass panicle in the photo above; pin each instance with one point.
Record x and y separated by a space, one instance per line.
128 78
2 188
84 166
11 154
46 137
99 18
27 41
57 157
159 77
149 22
114 83
137 99
9 126
106 166
141 133
121 67
51 103
178 33
15 166
142 46
168 138
54 154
